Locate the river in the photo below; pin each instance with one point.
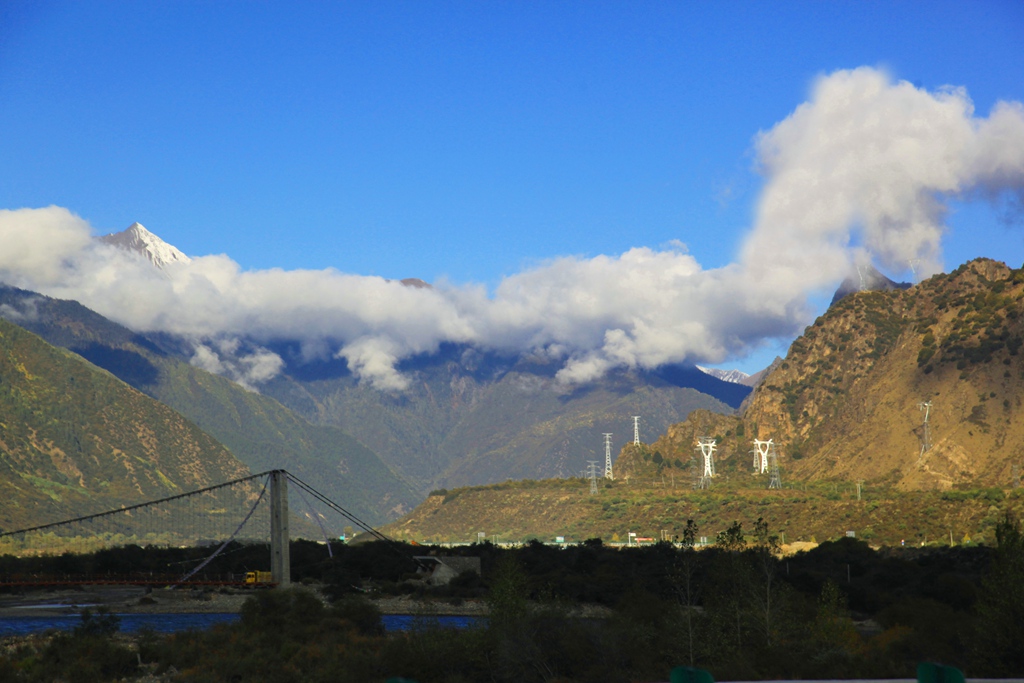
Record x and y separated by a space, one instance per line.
170 623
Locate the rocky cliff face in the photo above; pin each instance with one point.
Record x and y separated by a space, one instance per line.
849 400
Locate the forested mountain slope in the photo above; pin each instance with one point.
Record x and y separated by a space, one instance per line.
257 429
75 440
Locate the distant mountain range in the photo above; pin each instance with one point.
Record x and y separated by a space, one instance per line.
259 431
734 376
469 416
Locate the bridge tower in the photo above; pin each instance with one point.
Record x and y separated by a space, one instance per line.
280 560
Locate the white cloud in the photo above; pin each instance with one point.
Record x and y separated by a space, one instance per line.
248 367
37 244
870 158
860 171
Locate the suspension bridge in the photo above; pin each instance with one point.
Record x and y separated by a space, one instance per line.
250 510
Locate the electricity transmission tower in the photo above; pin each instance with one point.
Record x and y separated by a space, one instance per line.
761 450
707 447
608 457
592 473
926 442
774 482
636 430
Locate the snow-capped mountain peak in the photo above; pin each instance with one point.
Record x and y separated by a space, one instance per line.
734 376
136 238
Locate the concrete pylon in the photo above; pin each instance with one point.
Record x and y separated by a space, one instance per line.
280 560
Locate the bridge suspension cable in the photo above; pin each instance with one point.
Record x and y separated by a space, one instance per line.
224 545
340 510
129 508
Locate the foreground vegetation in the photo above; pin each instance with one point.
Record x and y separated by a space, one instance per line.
842 610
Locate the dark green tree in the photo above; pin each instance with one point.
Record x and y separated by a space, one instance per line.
684 579
765 589
999 627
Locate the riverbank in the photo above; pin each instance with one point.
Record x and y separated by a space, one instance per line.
120 599
458 607
140 600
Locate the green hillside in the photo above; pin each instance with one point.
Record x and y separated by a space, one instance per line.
257 429
802 512
75 440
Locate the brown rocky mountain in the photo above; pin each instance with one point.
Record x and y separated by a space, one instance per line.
847 402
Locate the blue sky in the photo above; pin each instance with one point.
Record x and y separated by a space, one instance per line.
455 140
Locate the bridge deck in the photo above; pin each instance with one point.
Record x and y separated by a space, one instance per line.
151 582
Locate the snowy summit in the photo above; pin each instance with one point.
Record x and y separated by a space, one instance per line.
136 238
734 376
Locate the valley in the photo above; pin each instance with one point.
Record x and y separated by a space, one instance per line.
506 444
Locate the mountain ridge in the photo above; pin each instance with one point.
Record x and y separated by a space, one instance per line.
473 416
844 403
76 440
842 410
257 429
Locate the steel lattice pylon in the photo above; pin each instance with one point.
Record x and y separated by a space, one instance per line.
608 457
707 446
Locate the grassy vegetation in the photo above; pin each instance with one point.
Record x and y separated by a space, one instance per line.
804 511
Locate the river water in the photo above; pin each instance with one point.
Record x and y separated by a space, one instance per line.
170 623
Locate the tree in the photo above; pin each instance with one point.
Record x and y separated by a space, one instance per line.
731 540
683 574
732 576
999 628
832 630
765 589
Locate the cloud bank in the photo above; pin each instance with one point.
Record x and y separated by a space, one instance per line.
859 172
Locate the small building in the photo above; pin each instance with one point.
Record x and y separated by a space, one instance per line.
439 571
